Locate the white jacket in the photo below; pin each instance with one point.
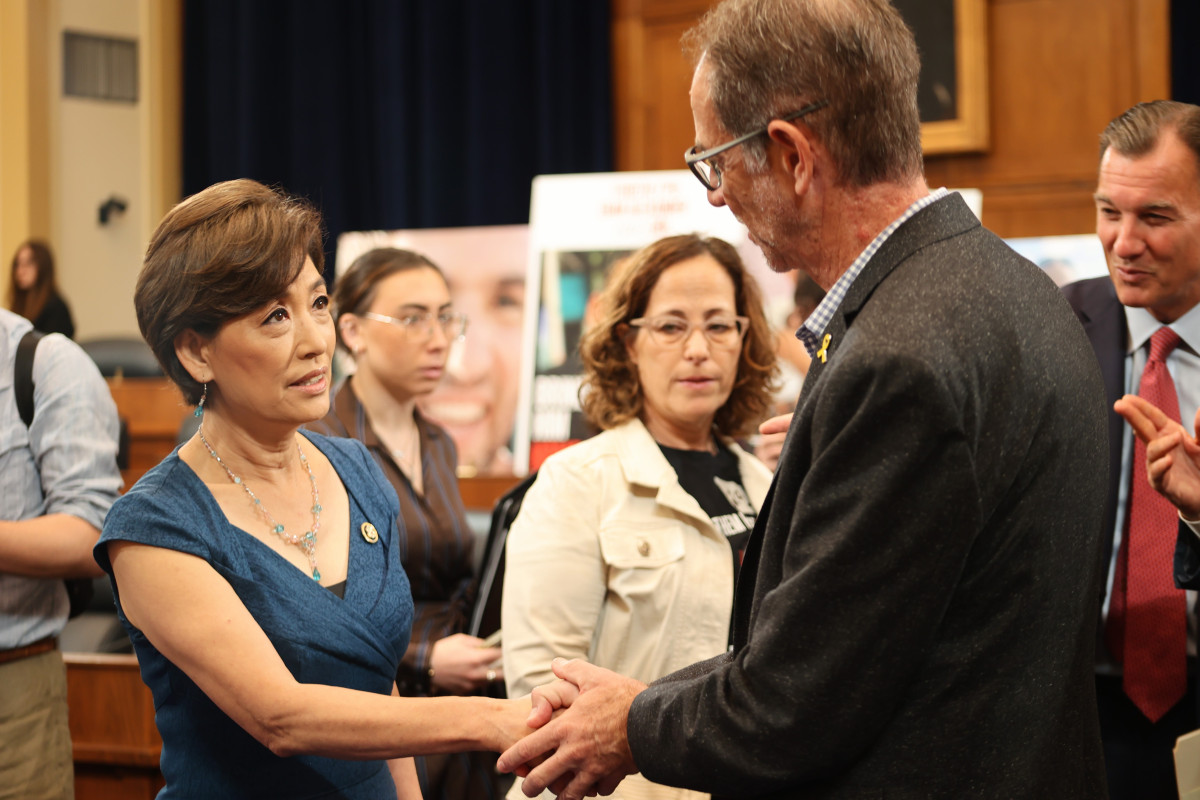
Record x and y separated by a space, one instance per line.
610 560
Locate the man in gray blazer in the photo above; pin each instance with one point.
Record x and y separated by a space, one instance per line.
917 613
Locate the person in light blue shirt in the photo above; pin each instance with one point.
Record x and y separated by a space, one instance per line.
58 478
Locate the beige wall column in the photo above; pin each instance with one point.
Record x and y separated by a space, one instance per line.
61 157
24 121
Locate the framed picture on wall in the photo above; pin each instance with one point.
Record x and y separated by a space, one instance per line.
952 93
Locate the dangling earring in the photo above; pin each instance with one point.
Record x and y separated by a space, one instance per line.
199 412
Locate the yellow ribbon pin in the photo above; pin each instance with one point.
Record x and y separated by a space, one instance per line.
824 348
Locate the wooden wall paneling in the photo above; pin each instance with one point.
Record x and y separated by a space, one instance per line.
1061 69
651 76
1152 37
1058 71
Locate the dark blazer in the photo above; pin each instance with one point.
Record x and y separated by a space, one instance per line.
1103 317
916 618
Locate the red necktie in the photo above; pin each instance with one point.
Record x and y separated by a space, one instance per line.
1150 611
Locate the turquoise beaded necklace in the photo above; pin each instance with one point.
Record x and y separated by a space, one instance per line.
308 542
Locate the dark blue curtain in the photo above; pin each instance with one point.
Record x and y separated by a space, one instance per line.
397 113
1185 56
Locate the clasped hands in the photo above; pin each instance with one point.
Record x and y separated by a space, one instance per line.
580 747
1172 454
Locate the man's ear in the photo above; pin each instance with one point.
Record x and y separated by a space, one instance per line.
192 350
348 327
794 152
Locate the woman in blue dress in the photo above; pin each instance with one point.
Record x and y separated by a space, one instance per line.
255 567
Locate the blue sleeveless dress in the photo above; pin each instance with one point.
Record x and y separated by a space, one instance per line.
355 642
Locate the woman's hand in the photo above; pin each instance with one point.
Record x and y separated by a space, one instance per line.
461 664
770 442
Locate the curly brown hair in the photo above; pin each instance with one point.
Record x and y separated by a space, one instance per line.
611 394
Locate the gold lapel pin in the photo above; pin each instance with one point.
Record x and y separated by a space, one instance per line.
369 533
821 354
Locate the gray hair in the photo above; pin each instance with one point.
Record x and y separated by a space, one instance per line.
1136 132
767 58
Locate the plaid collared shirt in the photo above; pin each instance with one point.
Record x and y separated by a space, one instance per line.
809 333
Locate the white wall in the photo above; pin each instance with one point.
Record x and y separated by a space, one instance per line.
96 150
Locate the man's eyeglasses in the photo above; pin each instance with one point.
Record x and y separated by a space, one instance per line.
419 324
709 173
668 330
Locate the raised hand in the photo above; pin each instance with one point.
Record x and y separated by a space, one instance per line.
770 442
1172 455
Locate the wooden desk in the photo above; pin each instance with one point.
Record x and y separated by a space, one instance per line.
481 493
154 410
111 712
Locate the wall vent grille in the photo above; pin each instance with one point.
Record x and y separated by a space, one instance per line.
100 67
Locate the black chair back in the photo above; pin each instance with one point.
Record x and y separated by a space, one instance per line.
485 617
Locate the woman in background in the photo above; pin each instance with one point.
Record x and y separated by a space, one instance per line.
395 317
627 544
33 290
255 567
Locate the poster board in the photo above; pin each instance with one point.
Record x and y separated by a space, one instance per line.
1065 259
580 226
476 401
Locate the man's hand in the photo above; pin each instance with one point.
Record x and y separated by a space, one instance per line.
1172 456
586 746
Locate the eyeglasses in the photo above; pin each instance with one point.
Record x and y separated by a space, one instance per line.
420 323
709 173
670 330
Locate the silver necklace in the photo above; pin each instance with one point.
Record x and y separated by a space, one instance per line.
407 458
308 542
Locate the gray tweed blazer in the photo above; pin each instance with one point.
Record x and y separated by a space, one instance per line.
916 617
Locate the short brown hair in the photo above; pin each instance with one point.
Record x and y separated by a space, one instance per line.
218 255
356 287
768 58
1136 132
611 393
30 302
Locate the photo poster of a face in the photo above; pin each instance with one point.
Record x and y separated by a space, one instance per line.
1065 259
476 399
580 226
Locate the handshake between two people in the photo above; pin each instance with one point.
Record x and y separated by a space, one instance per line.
579 746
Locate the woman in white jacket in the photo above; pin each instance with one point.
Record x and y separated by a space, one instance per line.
627 545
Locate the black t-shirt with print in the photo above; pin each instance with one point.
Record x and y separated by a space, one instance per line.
716 483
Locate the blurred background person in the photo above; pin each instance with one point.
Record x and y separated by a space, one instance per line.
255 567
33 290
793 365
395 316
627 545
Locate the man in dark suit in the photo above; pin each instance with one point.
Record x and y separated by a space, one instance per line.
916 617
1148 220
